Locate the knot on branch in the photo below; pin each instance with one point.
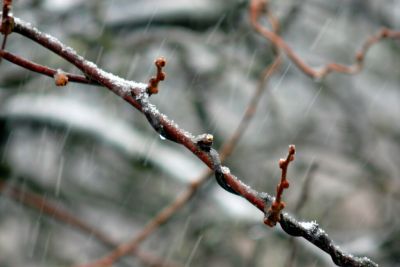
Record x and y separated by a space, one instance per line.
152 87
60 78
272 216
204 141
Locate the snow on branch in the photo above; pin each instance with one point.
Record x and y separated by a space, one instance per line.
137 95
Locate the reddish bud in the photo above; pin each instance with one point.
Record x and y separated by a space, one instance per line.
160 62
160 76
152 90
60 78
292 149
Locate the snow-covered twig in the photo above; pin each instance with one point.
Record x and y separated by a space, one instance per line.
135 94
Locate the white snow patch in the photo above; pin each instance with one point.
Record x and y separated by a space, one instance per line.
225 170
309 226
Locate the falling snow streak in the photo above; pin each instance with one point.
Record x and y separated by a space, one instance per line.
192 253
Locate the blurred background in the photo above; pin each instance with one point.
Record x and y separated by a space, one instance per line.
88 152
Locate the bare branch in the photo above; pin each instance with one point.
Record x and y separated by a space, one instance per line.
182 199
160 76
273 213
136 95
257 7
317 236
42 69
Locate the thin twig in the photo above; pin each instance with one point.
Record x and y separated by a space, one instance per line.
152 87
274 212
257 7
44 70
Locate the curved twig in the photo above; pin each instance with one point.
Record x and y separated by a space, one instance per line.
256 8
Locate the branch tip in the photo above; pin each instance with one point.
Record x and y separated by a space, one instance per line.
152 87
292 149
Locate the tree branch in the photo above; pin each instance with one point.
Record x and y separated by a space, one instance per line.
274 212
227 148
181 200
42 69
257 7
136 95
